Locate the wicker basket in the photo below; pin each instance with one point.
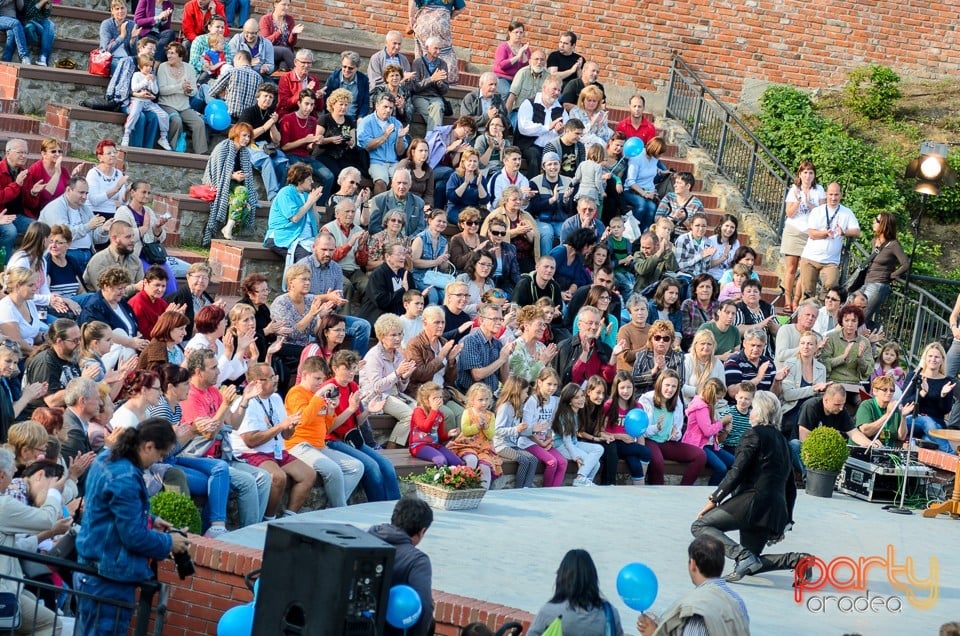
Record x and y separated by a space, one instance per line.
446 499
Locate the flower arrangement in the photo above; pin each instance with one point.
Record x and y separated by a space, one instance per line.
449 477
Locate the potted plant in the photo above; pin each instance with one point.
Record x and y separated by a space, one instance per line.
449 487
824 453
176 508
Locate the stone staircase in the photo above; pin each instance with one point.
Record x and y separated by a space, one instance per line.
49 100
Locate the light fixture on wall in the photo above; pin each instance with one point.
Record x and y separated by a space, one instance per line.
931 169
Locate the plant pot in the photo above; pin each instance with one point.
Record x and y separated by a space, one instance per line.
820 483
446 499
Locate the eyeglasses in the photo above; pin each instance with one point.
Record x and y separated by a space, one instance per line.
308 62
884 389
346 67
73 340
395 221
473 222
459 295
661 338
245 32
484 264
833 298
338 330
496 233
493 318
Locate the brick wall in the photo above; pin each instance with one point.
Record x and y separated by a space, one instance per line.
797 41
196 605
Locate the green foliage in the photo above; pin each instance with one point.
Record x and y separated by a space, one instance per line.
872 91
824 449
176 508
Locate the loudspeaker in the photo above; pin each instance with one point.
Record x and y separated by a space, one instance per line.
323 579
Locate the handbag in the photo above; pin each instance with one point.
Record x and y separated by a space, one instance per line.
9 611
102 103
437 279
100 62
856 279
154 253
555 628
203 192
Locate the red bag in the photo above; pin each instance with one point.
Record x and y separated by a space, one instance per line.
100 62
203 192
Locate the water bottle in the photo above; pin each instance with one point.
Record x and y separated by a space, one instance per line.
277 448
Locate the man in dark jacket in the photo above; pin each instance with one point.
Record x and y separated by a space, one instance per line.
387 284
409 523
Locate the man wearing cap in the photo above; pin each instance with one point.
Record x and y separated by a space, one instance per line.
551 201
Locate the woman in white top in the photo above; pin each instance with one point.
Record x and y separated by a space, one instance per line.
804 195
107 183
30 256
210 326
19 319
142 390
478 277
700 364
807 378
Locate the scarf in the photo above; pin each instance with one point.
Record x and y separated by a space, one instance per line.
218 174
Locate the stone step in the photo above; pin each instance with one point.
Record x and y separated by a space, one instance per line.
37 86
20 126
189 216
235 260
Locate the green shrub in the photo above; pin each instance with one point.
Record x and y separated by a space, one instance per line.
824 449
872 91
176 508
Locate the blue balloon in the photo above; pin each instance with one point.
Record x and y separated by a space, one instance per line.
632 147
637 586
217 115
636 422
236 621
404 607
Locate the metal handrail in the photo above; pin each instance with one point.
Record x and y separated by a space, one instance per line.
739 155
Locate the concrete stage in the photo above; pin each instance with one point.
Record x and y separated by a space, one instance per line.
507 552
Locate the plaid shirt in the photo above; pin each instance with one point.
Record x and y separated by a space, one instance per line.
323 278
240 85
689 255
477 353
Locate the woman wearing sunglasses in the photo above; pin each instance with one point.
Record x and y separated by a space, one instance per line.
468 240
658 355
522 229
506 268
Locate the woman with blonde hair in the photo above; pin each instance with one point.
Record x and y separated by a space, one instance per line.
20 320
933 395
701 363
590 111
336 147
522 229
386 373
806 378
298 309
657 357
530 354
465 186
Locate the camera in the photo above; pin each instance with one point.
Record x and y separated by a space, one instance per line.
183 561
334 394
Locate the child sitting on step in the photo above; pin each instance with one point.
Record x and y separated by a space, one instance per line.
143 96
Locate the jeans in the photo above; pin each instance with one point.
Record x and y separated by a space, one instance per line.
33 31
97 617
379 477
644 209
624 282
359 330
441 174
15 35
321 173
795 457
341 473
953 358
8 234
271 177
231 7
924 424
876 294
719 461
252 486
144 134
210 477
635 455
549 231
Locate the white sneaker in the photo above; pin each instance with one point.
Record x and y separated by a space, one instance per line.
163 143
25 61
214 532
581 481
42 61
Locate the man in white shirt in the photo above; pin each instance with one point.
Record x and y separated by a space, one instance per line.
71 209
540 120
259 442
829 225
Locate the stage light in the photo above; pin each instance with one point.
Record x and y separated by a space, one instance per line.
931 167
931 170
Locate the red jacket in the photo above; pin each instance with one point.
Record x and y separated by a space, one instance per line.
423 427
289 90
9 190
195 19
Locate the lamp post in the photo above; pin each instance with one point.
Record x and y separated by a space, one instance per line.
931 171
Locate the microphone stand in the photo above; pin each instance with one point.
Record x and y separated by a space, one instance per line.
915 385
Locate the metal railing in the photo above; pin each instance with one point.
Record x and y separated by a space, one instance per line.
64 599
912 316
738 154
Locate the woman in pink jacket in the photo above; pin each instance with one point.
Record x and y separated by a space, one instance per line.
704 429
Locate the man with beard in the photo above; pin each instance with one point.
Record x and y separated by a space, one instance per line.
56 365
118 253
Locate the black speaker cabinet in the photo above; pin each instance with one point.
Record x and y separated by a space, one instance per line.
322 579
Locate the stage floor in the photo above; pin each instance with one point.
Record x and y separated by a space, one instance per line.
507 552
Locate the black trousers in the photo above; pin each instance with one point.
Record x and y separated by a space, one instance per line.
718 522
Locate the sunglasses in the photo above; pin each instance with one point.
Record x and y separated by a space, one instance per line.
471 222
661 338
496 233
499 295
